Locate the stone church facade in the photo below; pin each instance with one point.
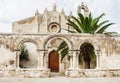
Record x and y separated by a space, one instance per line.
46 31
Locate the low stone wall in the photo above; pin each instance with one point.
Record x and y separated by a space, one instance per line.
25 73
35 73
93 73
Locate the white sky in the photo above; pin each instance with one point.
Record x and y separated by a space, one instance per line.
13 10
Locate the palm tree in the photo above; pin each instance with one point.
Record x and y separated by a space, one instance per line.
82 24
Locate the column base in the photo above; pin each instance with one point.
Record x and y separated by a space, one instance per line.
72 72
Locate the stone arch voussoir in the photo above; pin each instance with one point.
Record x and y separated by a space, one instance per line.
57 36
92 42
26 40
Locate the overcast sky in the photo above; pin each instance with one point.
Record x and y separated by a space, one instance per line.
13 10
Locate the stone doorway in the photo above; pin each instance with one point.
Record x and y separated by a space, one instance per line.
54 61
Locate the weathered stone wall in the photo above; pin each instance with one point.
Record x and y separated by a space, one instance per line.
42 23
107 46
26 25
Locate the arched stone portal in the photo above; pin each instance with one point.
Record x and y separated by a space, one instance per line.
29 60
87 56
51 44
32 47
87 63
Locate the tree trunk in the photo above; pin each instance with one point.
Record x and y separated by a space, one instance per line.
87 62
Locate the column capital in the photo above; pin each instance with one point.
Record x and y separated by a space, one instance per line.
97 52
70 53
43 52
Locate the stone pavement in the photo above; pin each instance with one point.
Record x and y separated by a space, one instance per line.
61 80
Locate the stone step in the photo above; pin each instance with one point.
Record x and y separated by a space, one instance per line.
54 74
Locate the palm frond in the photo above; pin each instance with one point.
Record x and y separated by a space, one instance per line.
78 23
96 20
62 46
110 33
64 52
82 20
72 24
98 26
70 31
102 29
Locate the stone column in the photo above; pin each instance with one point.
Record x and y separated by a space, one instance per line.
71 60
38 60
74 60
74 64
73 72
77 62
17 59
97 52
45 60
42 60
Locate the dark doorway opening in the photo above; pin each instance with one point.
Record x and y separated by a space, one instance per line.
87 56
